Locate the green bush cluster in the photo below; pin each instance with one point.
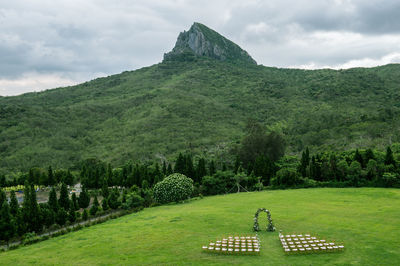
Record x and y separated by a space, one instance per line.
175 187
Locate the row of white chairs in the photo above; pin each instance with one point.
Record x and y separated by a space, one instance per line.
231 250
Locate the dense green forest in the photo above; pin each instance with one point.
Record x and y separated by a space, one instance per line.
201 105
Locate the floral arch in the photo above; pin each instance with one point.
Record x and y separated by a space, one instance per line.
270 226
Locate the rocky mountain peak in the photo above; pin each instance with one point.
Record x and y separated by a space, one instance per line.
203 41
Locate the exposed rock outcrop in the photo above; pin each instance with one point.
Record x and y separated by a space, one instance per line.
203 41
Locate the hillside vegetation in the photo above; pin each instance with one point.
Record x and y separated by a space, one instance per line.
199 99
199 105
174 234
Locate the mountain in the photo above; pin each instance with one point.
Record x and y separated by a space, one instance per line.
198 103
203 41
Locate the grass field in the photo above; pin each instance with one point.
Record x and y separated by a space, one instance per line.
365 220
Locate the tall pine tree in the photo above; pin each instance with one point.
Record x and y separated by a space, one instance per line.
50 177
74 201
95 206
180 164
7 226
189 169
84 198
64 201
14 206
389 159
201 169
104 189
304 162
30 209
53 203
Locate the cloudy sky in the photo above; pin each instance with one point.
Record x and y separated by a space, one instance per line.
46 44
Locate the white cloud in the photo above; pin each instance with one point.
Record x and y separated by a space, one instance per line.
33 82
371 62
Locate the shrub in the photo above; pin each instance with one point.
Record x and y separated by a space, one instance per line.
85 215
133 200
390 179
113 200
175 187
219 183
286 177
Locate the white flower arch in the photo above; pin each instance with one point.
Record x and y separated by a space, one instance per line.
270 226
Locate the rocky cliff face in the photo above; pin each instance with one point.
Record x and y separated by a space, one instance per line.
202 41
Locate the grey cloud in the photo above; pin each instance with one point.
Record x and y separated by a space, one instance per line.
77 40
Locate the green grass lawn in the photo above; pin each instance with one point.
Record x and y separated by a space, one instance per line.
365 220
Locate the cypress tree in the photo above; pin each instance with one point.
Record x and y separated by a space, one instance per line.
61 216
109 175
31 178
7 227
74 202
113 201
95 206
64 201
14 206
104 204
31 209
36 226
333 167
358 157
47 215
389 159
180 164
50 177
69 178
304 162
201 169
53 203
20 224
71 213
84 198
156 175
104 189
312 168
26 212
189 169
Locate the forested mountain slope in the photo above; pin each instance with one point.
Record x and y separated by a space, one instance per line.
198 103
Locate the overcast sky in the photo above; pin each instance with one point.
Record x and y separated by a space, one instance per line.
46 43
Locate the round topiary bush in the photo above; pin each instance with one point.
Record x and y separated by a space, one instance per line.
175 187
